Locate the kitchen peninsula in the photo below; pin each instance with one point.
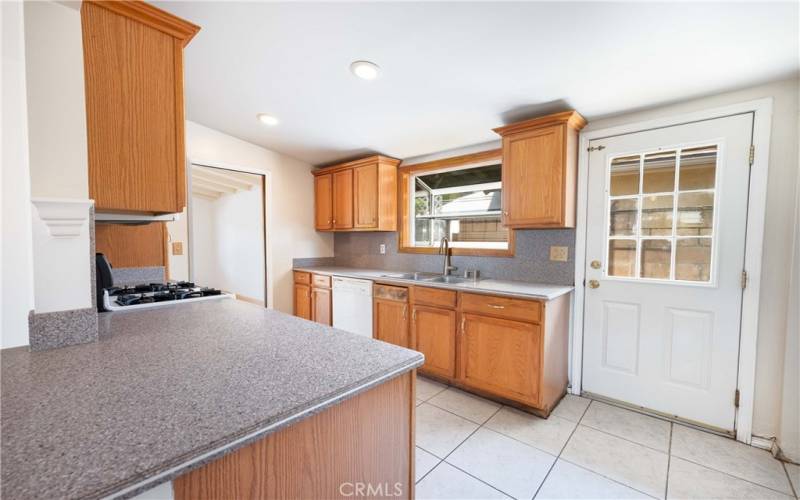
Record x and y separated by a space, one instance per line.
203 394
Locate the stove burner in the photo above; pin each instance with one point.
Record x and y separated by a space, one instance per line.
159 292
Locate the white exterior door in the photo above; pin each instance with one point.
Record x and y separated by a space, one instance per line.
667 213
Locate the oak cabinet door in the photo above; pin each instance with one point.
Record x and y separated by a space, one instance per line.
434 331
323 202
533 177
501 356
365 187
390 322
321 305
343 199
302 301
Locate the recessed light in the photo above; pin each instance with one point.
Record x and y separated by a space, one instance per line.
365 70
267 119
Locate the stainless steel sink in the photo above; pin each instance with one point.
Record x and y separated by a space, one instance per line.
448 279
408 276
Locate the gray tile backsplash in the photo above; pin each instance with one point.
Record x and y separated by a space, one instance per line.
530 263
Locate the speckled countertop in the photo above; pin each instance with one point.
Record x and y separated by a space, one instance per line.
167 389
487 286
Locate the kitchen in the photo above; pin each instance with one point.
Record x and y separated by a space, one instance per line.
540 294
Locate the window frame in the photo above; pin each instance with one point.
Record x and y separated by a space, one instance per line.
406 174
674 237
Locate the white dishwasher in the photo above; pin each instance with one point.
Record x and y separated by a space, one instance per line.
352 305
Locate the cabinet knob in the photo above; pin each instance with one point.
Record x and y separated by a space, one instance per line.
505 212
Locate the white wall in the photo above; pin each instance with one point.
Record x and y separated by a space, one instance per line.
204 242
16 273
777 249
290 204
56 103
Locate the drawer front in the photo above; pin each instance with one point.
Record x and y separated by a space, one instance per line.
389 292
434 296
321 281
302 277
504 307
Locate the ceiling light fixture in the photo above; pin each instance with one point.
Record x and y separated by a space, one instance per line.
267 119
365 70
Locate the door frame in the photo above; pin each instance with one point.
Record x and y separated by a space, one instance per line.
756 210
266 203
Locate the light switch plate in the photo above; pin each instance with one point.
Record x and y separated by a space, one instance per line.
177 248
382 249
559 254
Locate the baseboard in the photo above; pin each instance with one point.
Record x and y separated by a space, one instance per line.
769 444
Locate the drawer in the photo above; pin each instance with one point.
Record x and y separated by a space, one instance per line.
389 292
505 307
321 281
434 296
302 277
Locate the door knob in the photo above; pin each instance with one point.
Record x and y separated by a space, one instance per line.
594 284
595 264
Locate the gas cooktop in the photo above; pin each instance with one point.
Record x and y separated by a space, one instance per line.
157 294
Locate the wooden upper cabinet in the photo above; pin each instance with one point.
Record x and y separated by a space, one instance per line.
133 68
363 195
343 199
540 161
323 206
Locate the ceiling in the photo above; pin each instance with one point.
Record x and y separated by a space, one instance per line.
214 183
450 72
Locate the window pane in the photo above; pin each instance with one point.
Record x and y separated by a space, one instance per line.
659 172
478 229
657 215
656 256
695 214
623 217
622 258
698 168
624 176
693 259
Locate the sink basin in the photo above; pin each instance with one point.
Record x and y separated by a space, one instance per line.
448 279
408 276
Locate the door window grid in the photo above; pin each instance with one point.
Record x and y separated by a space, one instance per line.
679 236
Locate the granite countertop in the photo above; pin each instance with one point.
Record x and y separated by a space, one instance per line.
487 286
165 390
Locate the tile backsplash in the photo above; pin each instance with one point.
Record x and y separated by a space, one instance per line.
531 261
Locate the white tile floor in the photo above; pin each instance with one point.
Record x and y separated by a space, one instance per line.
469 447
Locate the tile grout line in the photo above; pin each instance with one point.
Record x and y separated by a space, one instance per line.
791 484
462 416
736 477
669 460
544 479
626 439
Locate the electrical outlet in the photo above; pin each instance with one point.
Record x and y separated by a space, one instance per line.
382 249
559 254
177 248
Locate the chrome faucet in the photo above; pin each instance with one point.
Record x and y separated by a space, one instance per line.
444 249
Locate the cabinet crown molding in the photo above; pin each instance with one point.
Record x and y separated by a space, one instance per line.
151 16
357 163
572 118
64 217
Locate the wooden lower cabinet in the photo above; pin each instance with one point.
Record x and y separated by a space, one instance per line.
501 356
434 330
312 297
321 306
302 301
390 316
367 440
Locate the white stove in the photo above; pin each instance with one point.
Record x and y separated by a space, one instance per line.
132 298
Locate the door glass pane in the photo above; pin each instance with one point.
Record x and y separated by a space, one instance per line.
624 176
656 257
693 259
659 172
622 258
698 168
695 213
623 217
657 215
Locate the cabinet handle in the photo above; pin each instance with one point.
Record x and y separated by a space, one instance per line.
405 312
505 213
494 306
414 316
463 319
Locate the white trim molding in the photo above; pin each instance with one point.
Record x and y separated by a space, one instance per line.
63 217
762 125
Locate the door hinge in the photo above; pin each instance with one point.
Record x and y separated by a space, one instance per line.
736 398
595 148
744 279
752 157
